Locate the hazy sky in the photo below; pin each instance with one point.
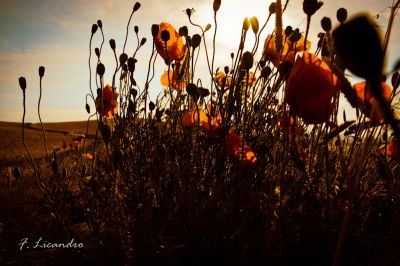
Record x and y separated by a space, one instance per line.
55 34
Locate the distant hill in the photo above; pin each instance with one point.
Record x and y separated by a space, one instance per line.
56 134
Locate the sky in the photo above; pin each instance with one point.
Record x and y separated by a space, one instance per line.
56 33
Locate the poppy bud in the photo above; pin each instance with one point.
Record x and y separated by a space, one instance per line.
271 8
246 24
22 83
254 24
226 70
262 63
247 61
154 30
124 67
216 5
165 35
341 15
94 28
136 29
288 30
100 69
133 93
183 31
143 41
395 80
208 26
188 12
123 58
112 44
152 106
136 6
41 71
100 24
97 52
87 107
326 24
131 64
196 39
232 55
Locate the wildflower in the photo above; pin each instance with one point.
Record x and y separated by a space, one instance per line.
233 147
172 81
210 125
393 150
287 52
174 49
310 88
88 156
365 96
191 117
109 105
223 80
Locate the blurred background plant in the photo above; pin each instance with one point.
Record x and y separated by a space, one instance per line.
259 167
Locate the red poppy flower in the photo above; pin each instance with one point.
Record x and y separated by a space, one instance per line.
175 47
173 81
233 147
191 117
288 50
393 150
210 125
310 88
110 105
286 122
221 77
365 96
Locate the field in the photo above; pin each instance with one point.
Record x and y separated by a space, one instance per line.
258 168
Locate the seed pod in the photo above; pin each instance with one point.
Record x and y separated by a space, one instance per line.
143 41
183 31
136 6
154 30
165 35
247 61
136 29
288 30
246 24
152 106
265 72
254 24
112 44
94 28
100 69
97 51
208 27
87 108
341 15
226 70
123 58
188 12
271 8
191 89
41 71
326 24
196 39
22 83
203 92
100 24
216 5
131 64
